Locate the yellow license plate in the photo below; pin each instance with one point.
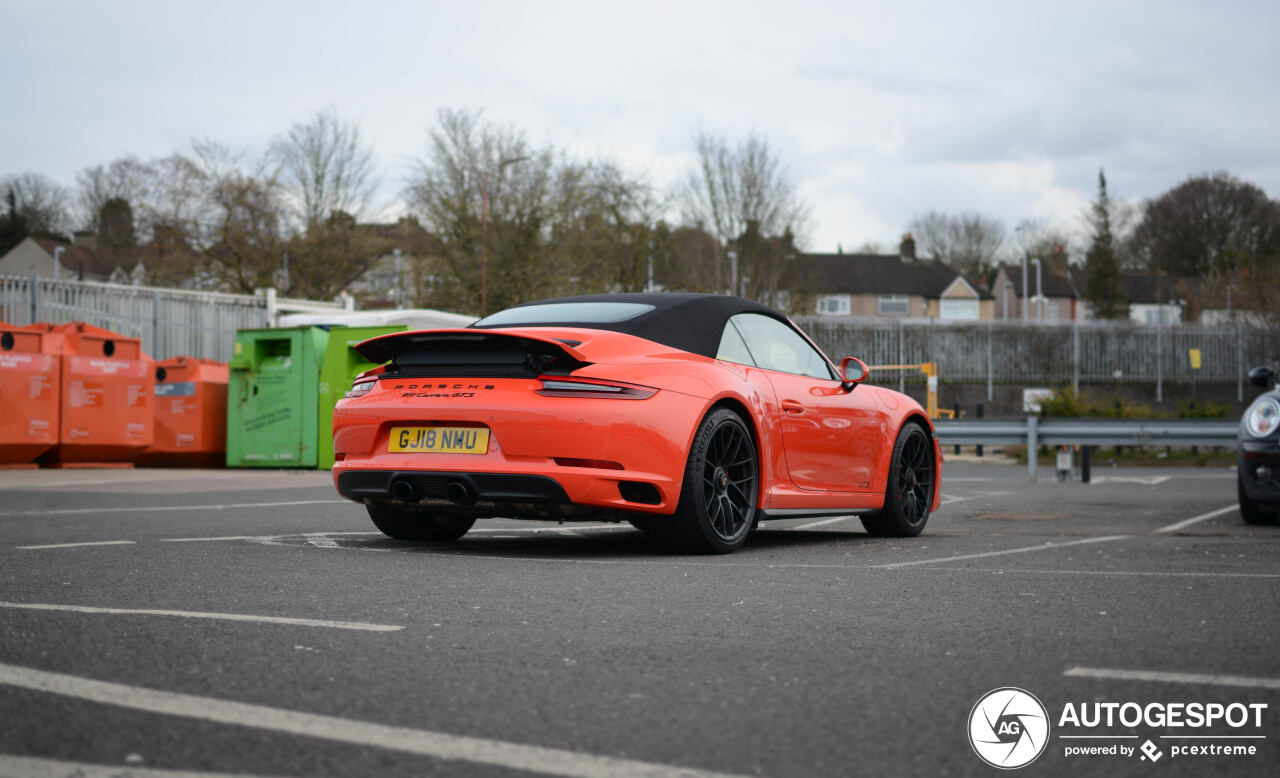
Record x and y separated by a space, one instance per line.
439 440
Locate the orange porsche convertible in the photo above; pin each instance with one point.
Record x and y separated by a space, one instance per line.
691 416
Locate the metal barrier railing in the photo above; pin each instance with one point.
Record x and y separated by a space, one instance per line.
1034 432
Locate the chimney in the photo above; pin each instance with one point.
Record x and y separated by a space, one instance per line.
87 240
1058 260
907 249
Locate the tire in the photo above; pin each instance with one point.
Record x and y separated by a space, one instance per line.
1249 510
404 524
717 507
909 492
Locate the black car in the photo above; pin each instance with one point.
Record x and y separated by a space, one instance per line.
1259 436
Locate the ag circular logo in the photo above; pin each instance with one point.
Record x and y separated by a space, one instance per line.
1008 728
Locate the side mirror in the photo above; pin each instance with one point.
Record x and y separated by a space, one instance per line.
853 371
1263 376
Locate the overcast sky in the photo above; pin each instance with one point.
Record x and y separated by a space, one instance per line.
880 113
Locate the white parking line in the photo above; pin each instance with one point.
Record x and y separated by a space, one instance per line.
78 545
1191 678
356 625
28 767
1134 573
155 508
1023 550
1196 520
440 745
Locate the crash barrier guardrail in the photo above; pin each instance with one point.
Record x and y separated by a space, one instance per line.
1034 432
1061 354
170 322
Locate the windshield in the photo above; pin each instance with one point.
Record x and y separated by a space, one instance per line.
565 313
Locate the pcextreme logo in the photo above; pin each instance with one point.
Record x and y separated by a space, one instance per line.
1008 728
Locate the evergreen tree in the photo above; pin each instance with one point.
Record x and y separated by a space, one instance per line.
13 226
1104 285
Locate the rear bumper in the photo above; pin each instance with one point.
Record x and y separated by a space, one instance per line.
484 495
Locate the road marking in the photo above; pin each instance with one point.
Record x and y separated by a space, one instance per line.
947 499
1145 480
357 625
78 545
27 767
203 540
1192 678
440 745
154 508
1137 573
1195 520
1023 550
822 523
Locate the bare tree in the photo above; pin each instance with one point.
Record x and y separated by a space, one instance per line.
489 196
1210 225
325 168
743 193
127 178
43 204
968 243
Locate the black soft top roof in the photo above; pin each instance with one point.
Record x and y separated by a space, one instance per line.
685 321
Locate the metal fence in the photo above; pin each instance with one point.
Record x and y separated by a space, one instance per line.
1063 353
170 322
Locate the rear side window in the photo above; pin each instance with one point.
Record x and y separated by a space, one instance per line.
775 346
732 348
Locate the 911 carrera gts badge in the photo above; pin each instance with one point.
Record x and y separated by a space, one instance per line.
438 390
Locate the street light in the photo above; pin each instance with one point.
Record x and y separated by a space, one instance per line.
484 232
1039 292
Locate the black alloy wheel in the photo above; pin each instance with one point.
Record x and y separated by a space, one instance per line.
909 492
718 498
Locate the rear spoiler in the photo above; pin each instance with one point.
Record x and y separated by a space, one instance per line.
471 353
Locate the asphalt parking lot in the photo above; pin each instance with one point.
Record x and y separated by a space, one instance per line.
162 623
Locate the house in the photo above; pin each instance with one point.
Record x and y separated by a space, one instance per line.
883 285
54 259
1052 297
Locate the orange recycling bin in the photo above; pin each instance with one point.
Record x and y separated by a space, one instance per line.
106 387
29 379
190 413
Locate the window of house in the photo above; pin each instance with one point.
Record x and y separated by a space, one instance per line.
834 304
959 308
894 305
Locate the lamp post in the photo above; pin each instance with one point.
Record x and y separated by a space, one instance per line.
1229 288
57 252
733 262
484 231
1039 292
1007 286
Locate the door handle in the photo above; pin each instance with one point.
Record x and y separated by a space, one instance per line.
791 406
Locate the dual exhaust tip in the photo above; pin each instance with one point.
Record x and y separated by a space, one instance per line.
455 491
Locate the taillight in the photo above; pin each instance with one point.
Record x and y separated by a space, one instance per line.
360 388
560 387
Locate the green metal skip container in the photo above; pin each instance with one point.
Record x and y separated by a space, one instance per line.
272 398
341 365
